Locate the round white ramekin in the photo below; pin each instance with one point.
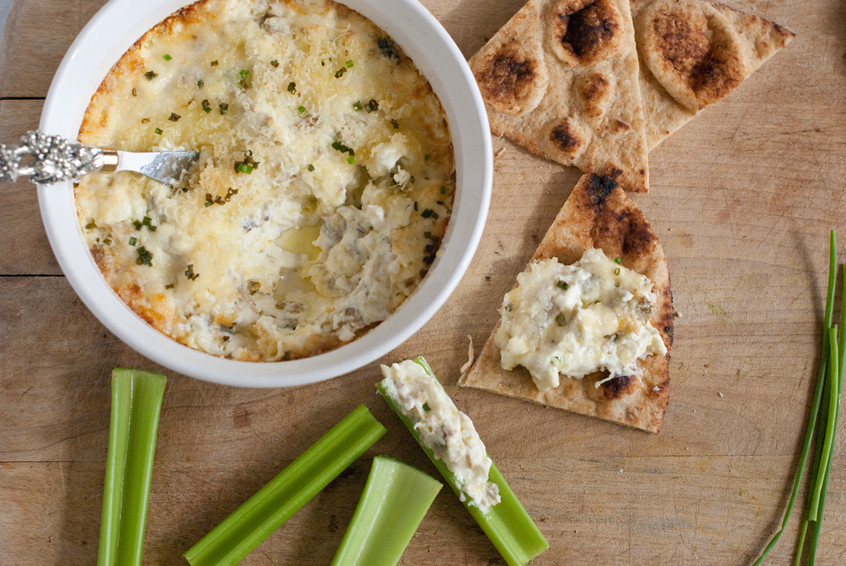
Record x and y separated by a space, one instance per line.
101 43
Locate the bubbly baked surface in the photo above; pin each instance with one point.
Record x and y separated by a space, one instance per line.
323 189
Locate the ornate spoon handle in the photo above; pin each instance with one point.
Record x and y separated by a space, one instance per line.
50 159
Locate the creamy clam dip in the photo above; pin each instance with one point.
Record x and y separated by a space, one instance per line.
323 189
577 319
445 430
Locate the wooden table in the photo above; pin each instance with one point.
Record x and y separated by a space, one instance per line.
742 198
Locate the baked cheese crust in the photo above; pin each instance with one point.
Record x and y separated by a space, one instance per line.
323 189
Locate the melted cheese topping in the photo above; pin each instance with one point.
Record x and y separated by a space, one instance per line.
443 429
322 192
577 319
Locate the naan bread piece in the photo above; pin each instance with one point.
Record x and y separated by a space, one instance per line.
692 54
598 214
560 79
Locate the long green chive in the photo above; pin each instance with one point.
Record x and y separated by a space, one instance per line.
506 524
136 404
827 376
394 502
285 494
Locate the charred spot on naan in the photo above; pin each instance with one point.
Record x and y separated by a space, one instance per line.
691 51
584 32
512 80
617 387
594 93
567 138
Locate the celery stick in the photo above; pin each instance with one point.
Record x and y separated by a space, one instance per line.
506 524
136 403
283 496
394 501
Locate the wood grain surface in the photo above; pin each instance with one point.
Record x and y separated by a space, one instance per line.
743 198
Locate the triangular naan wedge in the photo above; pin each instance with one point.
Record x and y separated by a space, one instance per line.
598 214
692 54
560 79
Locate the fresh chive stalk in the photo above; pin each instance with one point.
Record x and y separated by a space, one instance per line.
285 494
136 404
394 502
506 524
822 424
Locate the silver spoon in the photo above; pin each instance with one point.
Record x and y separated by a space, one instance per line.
47 159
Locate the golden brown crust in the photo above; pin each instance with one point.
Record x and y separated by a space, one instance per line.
598 214
693 53
560 78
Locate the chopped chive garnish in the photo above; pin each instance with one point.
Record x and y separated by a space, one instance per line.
340 72
158 131
372 106
394 501
201 83
443 190
429 213
206 106
167 57
300 108
151 75
350 159
213 63
133 240
274 63
223 107
292 87
349 64
189 272
247 165
310 167
145 257
427 157
617 271
244 73
91 225
174 117
285 494
563 285
134 92
244 168
136 405
618 260
395 124
506 524
357 105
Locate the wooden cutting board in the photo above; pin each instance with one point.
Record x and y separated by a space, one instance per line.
742 198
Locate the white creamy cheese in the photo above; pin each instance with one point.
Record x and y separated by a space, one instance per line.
445 430
577 319
323 189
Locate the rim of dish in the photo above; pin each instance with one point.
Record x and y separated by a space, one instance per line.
111 32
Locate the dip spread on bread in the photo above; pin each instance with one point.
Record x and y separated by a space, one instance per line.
323 189
577 319
443 429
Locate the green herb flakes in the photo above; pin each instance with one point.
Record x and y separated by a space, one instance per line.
133 240
174 117
310 167
372 106
145 257
189 272
206 105
301 109
292 87
274 63
167 57
340 72
158 131
151 75
223 107
563 285
201 83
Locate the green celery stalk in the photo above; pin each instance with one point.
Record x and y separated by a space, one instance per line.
506 524
136 404
394 502
285 494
